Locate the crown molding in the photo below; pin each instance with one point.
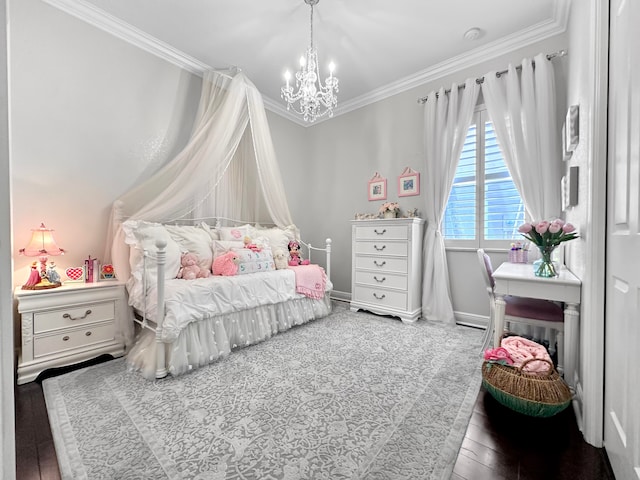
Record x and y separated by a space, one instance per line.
104 21
100 19
523 38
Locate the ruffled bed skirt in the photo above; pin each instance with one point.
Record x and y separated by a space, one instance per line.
204 342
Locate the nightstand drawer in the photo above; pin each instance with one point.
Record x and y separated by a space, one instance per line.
377 232
381 297
73 316
382 248
382 264
382 279
92 334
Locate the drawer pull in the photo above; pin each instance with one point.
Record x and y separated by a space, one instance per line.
381 297
379 280
379 264
379 248
88 334
66 315
384 230
65 338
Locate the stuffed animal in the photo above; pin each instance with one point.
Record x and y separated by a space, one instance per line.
225 264
189 269
251 246
280 259
294 255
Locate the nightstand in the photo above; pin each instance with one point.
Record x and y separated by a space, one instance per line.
69 324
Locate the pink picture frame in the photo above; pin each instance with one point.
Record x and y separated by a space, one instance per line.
408 183
377 188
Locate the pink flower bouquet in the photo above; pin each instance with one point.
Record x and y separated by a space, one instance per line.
548 233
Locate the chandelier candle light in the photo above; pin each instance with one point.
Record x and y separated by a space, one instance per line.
42 245
314 100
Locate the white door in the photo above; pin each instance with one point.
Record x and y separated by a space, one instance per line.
622 317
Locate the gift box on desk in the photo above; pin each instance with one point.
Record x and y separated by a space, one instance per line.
519 255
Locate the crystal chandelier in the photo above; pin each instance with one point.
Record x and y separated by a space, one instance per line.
312 100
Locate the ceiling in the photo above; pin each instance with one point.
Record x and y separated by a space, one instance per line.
380 47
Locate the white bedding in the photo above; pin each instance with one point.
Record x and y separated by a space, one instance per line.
188 301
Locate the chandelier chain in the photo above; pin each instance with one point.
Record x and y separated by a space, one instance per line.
312 99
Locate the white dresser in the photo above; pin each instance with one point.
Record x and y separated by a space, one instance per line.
66 325
386 267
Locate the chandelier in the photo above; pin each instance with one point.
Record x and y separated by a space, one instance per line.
312 100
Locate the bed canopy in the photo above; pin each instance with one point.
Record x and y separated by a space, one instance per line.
227 169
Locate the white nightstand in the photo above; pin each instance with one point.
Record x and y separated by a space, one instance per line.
68 324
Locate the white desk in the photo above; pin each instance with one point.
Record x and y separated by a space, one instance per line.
518 279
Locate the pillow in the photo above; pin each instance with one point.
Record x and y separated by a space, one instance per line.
220 247
211 230
278 238
237 233
254 262
142 236
194 240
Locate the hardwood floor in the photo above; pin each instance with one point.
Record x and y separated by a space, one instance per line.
499 444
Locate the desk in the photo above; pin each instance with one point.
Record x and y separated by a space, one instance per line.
518 279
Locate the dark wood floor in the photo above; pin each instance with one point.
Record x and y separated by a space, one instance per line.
499 444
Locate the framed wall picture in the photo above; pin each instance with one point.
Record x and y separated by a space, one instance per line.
571 128
377 188
408 183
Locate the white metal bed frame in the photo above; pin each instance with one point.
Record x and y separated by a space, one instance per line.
161 256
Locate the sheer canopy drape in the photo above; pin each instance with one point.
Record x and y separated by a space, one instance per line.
446 120
522 108
227 169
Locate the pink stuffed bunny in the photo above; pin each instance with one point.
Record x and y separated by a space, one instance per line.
225 264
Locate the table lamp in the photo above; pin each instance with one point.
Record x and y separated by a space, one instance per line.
42 245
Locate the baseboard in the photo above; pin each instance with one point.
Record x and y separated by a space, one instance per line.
471 319
341 296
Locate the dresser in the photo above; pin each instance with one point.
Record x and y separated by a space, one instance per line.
69 324
386 267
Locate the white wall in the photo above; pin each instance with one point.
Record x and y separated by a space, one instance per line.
344 153
7 372
90 116
586 87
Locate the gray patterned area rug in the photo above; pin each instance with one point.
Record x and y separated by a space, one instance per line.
350 396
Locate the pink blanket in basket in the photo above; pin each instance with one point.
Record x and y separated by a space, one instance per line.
521 349
311 280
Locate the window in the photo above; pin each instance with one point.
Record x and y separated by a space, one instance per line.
484 207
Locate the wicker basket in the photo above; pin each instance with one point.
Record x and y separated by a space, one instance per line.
534 395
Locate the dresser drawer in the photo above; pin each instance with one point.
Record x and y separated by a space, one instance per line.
380 297
73 316
382 248
386 232
382 264
71 339
374 279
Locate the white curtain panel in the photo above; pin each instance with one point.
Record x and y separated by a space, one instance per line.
227 169
446 120
522 108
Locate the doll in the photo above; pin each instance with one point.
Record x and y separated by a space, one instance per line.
294 255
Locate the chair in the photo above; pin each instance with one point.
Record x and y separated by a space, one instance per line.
532 312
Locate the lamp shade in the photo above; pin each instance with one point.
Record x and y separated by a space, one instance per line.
42 243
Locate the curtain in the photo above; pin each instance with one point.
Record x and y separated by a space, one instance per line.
447 117
227 169
522 108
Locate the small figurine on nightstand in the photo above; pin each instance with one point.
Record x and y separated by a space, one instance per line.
52 274
34 276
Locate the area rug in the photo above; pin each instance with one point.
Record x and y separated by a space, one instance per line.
350 396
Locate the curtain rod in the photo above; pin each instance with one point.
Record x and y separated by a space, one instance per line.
480 80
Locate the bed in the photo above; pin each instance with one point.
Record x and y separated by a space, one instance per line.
186 324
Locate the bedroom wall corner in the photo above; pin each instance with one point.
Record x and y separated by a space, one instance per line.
91 116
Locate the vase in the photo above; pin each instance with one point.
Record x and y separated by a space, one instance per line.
544 267
389 214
